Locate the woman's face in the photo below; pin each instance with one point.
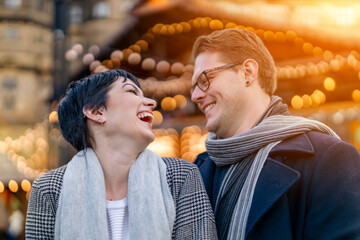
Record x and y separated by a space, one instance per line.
128 113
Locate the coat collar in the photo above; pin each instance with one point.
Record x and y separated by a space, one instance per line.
300 144
274 181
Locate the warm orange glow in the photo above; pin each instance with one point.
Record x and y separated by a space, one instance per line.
308 48
291 35
321 95
142 44
328 56
180 101
297 102
158 1
168 104
203 23
135 48
318 52
25 185
230 25
186 26
329 84
216 25
269 36
306 101
315 100
53 117
2 187
158 118
13 186
280 37
356 95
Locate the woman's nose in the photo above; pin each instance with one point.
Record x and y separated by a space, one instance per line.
150 102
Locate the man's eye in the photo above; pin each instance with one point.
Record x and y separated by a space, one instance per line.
202 79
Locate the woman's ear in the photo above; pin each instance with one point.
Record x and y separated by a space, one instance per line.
95 115
250 68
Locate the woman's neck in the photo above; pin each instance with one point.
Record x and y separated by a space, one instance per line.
116 163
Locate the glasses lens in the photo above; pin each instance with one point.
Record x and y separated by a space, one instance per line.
202 82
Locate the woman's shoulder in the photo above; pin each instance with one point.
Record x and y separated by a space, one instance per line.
178 166
51 181
180 174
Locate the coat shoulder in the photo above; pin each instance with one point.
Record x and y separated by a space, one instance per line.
326 144
178 171
178 167
50 183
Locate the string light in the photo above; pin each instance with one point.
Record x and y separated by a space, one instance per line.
356 95
329 84
25 185
158 118
296 102
13 186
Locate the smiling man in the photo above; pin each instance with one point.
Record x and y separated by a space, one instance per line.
269 175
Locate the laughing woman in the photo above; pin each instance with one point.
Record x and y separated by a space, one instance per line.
114 188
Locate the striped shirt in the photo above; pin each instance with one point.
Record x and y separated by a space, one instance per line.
118 219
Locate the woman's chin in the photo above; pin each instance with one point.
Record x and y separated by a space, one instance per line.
150 138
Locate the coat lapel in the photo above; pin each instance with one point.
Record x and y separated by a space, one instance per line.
276 178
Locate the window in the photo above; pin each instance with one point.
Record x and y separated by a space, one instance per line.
101 10
76 13
9 83
13 4
12 33
9 99
9 102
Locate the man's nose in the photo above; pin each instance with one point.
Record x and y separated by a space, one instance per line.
197 95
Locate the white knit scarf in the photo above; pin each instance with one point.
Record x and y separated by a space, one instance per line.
259 140
81 212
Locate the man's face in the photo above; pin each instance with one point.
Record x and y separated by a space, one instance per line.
223 102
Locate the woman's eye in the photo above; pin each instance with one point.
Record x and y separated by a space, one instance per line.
132 91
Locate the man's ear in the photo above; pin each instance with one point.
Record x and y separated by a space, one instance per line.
95 115
250 68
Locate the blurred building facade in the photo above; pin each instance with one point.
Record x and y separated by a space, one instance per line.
26 60
90 26
314 44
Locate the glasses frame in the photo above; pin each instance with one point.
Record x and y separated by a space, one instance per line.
205 72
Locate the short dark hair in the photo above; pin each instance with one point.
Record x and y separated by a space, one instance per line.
237 45
89 92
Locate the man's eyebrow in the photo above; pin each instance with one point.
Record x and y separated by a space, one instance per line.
193 85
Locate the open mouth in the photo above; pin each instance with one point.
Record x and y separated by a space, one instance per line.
208 107
146 117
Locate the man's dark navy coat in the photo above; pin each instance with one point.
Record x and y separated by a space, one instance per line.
309 188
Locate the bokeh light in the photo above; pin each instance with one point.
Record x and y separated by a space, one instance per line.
356 95
13 186
329 84
25 185
296 102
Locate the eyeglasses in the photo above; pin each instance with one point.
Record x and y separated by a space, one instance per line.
203 81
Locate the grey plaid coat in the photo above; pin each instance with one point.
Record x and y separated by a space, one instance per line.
194 216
